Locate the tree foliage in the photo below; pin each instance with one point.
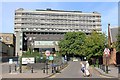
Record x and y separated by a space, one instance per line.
95 44
72 43
78 43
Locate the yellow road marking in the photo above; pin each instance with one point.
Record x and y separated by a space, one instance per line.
52 76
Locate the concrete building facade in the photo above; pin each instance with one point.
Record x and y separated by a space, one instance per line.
40 29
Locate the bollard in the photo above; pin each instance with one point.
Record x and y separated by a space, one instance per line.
20 69
15 67
43 70
9 68
31 69
47 67
55 69
52 69
103 67
100 66
106 68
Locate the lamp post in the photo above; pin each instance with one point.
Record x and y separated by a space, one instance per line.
106 53
47 64
17 58
32 43
106 63
52 63
9 49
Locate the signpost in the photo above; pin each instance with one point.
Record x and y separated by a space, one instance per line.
107 54
47 53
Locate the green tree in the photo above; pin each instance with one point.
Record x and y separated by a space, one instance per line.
95 44
72 43
77 43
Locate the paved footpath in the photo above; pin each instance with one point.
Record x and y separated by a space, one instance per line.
5 72
28 74
113 71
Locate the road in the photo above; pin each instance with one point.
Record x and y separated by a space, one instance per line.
73 71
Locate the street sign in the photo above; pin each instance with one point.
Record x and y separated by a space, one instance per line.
106 51
47 53
51 58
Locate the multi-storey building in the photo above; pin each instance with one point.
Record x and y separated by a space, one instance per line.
44 28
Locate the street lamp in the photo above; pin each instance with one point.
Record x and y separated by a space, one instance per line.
106 63
52 63
9 49
33 44
106 53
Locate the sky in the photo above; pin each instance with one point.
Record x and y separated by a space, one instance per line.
108 11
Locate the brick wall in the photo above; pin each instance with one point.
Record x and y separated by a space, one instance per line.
111 59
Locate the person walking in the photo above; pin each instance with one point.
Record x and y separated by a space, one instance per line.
87 72
82 68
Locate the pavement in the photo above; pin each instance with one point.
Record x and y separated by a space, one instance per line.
112 71
35 74
26 73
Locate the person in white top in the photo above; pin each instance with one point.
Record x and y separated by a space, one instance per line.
87 65
87 73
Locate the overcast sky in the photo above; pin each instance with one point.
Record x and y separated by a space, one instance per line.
108 11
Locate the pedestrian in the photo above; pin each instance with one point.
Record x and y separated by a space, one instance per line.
82 67
87 72
87 65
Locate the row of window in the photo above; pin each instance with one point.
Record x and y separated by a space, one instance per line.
56 20
44 33
47 24
82 29
61 15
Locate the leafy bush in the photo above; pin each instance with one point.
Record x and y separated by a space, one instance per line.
35 54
